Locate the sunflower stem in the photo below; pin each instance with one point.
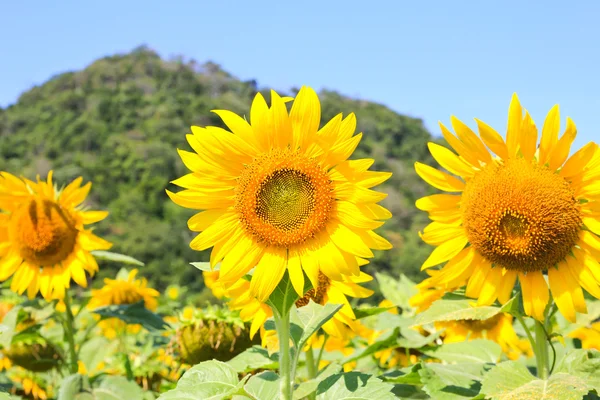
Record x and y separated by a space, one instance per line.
282 324
70 333
541 352
312 368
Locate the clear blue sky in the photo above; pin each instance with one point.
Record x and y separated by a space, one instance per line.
429 59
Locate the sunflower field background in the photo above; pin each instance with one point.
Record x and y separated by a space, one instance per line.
132 312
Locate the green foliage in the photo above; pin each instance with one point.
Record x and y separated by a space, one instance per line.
210 380
453 310
512 380
135 313
119 121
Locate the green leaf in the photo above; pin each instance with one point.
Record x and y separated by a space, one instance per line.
116 257
8 326
584 364
408 375
476 351
385 341
306 388
5 396
411 339
284 296
210 380
117 388
452 310
398 291
361 313
205 266
263 386
253 358
94 350
511 380
133 314
354 386
452 381
513 306
75 387
307 320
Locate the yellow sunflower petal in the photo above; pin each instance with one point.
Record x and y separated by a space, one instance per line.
513 131
492 139
577 161
563 147
439 179
529 135
445 252
549 134
451 162
268 273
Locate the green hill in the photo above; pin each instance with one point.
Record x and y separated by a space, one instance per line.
119 121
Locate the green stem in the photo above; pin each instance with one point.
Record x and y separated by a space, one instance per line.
541 353
282 324
320 355
70 333
312 368
528 332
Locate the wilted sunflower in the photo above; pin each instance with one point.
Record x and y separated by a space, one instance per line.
123 290
43 243
524 214
279 193
341 325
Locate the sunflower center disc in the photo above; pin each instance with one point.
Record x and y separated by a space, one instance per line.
44 233
284 198
521 215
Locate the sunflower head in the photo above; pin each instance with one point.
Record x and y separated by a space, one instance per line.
530 212
279 193
43 242
33 354
212 333
126 289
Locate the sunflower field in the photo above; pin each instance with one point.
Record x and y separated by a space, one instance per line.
292 219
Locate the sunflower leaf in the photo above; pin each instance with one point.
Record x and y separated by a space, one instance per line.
263 386
284 296
307 320
116 257
583 363
355 386
135 313
308 387
253 358
361 313
397 291
478 351
512 380
452 381
8 326
453 310
210 380
385 341
205 266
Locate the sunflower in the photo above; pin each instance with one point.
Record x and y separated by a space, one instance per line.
123 290
280 194
588 335
43 243
498 328
341 325
524 214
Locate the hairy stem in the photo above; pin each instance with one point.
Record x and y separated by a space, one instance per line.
282 324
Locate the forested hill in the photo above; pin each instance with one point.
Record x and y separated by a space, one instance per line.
119 121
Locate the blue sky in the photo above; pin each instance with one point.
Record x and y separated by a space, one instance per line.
428 59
